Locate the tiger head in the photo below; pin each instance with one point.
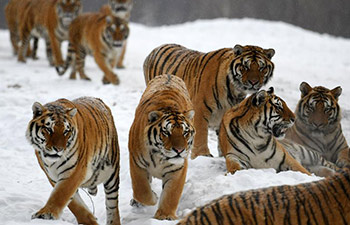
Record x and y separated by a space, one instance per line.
67 10
273 115
252 67
52 131
120 8
171 134
318 107
117 31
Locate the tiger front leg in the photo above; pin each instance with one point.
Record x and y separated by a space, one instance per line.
81 211
103 63
79 64
200 147
294 165
142 191
120 64
61 196
173 184
56 49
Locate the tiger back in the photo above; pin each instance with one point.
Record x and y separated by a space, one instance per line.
49 19
74 155
160 139
216 80
97 34
318 123
321 202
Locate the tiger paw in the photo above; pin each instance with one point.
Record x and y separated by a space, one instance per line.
135 203
114 80
121 66
160 215
60 70
44 215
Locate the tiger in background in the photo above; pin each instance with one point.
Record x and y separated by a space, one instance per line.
160 139
249 138
97 34
121 9
319 203
76 144
317 124
49 19
14 11
216 80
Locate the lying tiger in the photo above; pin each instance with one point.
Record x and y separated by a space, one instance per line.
319 203
160 140
76 144
97 34
317 124
216 80
49 19
249 138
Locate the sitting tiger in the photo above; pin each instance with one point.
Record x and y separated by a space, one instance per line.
14 11
216 80
73 154
320 203
97 34
49 19
249 136
317 124
160 139
121 9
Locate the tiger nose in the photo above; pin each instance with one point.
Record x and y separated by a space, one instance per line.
253 81
178 150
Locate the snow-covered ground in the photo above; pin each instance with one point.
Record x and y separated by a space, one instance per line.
300 56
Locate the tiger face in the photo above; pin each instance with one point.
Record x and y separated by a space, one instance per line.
318 107
52 130
172 133
117 31
277 117
67 10
252 68
120 8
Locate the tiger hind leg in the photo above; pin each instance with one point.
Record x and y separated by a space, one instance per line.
80 64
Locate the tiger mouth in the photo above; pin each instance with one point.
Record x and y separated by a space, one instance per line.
279 131
120 9
118 44
52 156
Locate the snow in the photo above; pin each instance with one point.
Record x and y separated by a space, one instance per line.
301 55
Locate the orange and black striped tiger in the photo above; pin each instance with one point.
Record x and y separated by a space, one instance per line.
249 138
317 125
121 9
323 202
100 35
14 11
216 80
76 144
49 19
160 139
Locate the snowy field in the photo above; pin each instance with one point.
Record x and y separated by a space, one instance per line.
300 56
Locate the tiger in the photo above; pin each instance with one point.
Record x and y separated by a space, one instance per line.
97 34
318 123
14 11
320 202
160 139
49 19
121 9
76 145
250 137
216 80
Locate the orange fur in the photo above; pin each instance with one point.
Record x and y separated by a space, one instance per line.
159 140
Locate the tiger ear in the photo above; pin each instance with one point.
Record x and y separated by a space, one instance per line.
269 52
189 114
305 88
38 109
72 112
259 98
270 90
153 116
336 92
238 49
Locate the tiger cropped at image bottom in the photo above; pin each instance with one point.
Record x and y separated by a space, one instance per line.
121 9
250 137
97 34
216 80
49 19
316 203
160 139
318 123
76 144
